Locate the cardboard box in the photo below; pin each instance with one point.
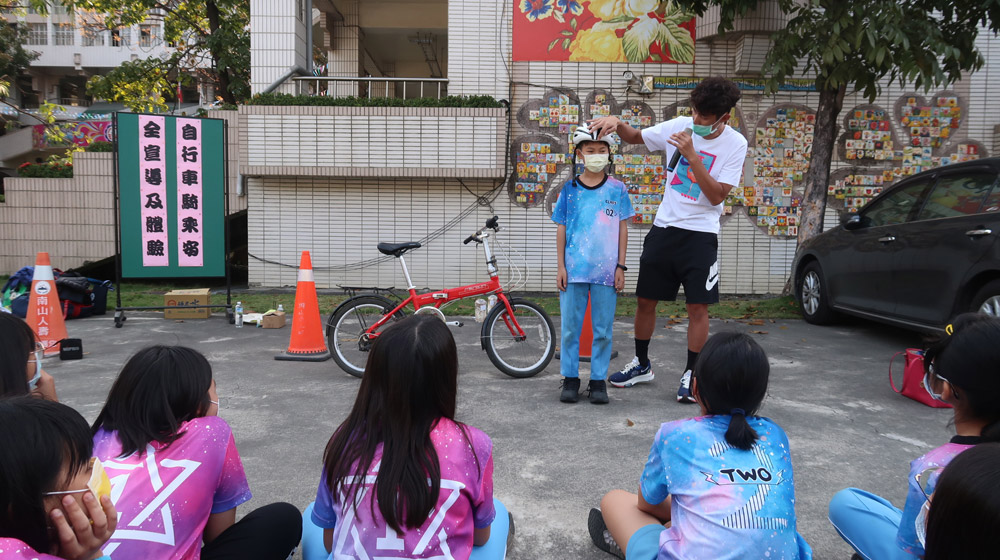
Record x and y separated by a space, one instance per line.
187 297
274 320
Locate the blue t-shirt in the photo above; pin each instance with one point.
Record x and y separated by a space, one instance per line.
727 503
592 216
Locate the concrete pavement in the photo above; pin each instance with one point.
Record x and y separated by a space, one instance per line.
553 461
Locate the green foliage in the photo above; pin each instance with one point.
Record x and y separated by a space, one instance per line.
13 58
100 146
476 101
213 31
49 170
857 44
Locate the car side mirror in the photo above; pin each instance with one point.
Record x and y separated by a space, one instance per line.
853 222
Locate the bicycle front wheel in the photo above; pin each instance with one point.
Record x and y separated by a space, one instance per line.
514 353
346 330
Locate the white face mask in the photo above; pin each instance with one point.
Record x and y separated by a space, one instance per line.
920 524
595 163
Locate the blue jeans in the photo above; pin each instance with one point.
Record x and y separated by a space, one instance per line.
573 306
868 523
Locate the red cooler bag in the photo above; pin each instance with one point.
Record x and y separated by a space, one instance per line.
913 379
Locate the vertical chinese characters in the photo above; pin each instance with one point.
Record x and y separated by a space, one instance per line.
190 231
153 190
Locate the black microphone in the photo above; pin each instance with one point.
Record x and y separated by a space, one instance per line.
677 153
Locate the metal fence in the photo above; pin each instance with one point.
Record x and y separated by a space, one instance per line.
337 86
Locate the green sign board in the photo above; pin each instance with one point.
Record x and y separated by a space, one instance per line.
172 185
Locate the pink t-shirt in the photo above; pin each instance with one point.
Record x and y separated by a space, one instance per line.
164 495
13 549
465 503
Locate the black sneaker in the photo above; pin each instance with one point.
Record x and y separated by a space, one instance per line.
684 391
600 535
597 391
570 389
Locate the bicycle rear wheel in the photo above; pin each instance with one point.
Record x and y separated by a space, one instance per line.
345 330
511 353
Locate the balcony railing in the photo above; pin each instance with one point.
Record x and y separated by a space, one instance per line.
337 86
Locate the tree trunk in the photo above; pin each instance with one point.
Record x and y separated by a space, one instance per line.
222 74
817 178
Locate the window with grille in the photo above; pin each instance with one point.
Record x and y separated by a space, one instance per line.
120 37
38 34
63 34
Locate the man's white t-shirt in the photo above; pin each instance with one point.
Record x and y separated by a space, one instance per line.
684 205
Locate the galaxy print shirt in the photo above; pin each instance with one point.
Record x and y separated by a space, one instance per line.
727 503
464 504
592 216
165 494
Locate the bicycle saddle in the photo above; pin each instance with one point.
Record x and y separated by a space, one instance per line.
397 249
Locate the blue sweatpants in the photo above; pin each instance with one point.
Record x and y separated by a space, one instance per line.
868 523
573 306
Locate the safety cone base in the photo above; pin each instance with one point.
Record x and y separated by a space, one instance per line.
320 356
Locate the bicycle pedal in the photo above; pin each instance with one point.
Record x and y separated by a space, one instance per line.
453 323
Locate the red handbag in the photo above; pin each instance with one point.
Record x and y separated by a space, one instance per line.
913 379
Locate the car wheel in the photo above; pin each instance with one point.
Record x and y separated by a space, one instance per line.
813 299
987 299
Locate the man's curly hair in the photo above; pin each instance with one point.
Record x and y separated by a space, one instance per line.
715 96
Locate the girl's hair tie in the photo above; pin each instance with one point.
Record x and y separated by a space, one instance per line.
949 330
736 411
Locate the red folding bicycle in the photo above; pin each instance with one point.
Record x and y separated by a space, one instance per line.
517 334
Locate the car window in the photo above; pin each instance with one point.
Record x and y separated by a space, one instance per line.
897 205
957 194
992 203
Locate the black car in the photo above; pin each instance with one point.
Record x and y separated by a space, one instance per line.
920 253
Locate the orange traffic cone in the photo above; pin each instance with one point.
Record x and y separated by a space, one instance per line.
307 344
45 314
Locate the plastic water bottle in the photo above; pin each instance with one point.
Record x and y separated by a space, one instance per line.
281 307
239 314
491 302
480 310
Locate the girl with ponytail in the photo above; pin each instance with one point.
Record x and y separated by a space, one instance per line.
962 369
716 486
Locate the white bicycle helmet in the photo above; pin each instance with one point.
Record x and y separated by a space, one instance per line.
583 134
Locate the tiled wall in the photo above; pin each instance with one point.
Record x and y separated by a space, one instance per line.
73 219
360 141
277 41
341 217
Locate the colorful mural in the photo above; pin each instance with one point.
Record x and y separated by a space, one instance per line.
603 31
77 134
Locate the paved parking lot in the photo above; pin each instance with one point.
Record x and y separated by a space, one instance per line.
554 461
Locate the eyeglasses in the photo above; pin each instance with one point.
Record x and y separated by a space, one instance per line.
927 480
928 380
39 353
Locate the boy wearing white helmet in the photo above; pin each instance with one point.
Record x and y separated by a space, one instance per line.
592 212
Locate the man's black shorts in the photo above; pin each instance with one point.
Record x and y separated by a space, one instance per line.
674 257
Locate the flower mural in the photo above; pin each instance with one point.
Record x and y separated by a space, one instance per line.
603 31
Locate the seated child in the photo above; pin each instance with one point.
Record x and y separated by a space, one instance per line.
401 478
54 499
178 476
715 487
964 513
961 369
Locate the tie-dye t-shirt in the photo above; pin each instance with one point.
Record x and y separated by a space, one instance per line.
165 494
465 503
727 503
13 549
592 216
906 538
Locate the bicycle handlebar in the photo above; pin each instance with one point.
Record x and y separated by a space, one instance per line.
468 239
492 223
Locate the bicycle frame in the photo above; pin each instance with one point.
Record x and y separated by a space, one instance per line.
439 298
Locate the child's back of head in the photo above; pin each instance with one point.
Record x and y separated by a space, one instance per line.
732 373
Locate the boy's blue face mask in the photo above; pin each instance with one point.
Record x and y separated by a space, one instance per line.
704 129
